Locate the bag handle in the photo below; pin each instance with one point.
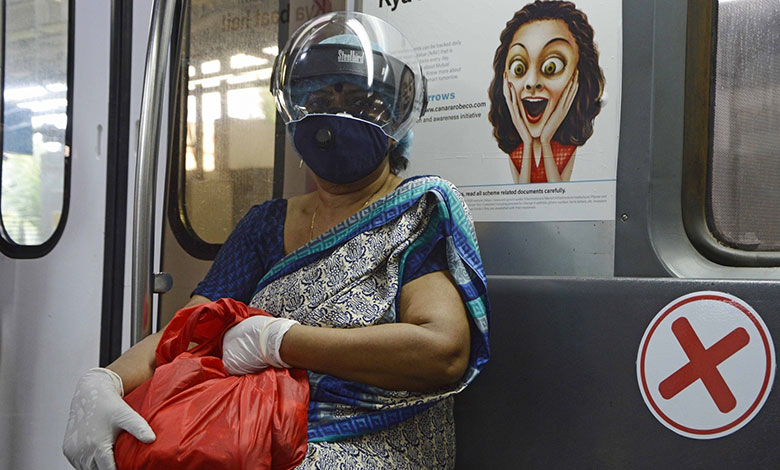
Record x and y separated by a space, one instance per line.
204 324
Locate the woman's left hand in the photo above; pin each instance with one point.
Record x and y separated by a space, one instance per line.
561 110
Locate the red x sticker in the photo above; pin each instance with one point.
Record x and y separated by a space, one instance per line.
706 365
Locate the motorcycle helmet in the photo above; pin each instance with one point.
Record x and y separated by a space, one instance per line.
354 65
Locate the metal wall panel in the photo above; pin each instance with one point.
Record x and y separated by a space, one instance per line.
548 248
560 390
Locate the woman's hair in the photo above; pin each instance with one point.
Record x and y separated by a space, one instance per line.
399 153
577 126
398 163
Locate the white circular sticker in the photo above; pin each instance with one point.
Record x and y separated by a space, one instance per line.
706 365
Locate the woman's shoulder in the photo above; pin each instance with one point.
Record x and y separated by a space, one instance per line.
431 182
448 192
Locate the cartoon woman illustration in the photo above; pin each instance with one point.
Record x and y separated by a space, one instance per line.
546 90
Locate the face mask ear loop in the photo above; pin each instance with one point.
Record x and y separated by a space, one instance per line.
300 165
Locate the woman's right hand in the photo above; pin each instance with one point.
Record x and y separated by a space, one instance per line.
97 415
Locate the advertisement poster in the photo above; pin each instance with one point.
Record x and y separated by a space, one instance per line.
545 72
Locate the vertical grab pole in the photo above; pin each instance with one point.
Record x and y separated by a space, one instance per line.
146 168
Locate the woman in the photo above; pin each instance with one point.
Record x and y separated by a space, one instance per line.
546 90
375 282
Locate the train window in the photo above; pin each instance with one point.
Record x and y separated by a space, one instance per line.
228 151
35 134
224 142
733 85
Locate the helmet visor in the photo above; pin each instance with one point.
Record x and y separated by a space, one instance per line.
350 63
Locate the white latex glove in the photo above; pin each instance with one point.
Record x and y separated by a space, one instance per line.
97 415
253 344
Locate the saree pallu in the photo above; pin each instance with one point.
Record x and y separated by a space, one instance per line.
350 277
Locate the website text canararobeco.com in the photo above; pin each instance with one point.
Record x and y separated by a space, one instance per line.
456 107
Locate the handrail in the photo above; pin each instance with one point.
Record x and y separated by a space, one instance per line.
146 168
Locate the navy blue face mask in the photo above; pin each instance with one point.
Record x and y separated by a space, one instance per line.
339 149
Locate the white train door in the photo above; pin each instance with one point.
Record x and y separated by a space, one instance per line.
53 213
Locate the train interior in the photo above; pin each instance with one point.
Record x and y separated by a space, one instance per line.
116 109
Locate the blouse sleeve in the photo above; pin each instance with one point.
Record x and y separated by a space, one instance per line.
435 260
251 249
432 256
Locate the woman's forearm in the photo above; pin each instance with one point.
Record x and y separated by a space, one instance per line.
397 356
137 364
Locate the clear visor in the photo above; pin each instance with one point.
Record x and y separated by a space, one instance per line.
350 63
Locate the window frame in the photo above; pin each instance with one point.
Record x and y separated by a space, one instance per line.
175 195
7 246
701 48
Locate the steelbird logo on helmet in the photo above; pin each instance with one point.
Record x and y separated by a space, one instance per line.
351 56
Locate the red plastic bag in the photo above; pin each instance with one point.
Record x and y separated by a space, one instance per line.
205 418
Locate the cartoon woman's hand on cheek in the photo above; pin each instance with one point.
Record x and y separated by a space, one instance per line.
552 124
513 103
561 109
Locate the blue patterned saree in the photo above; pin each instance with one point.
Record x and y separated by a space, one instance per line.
312 286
